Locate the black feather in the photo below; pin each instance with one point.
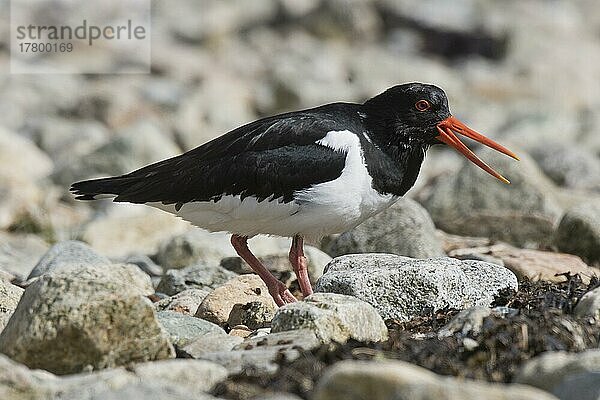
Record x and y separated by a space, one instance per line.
268 158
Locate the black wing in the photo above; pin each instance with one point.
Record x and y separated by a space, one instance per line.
268 158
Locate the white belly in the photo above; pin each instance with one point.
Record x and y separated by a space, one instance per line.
331 207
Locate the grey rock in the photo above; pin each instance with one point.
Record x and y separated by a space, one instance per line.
569 166
332 316
65 255
146 228
305 339
233 16
144 263
243 289
185 302
402 288
383 380
584 386
530 264
167 378
579 231
200 117
134 146
20 253
589 305
21 158
193 375
9 298
258 356
344 18
67 139
184 329
82 317
200 276
254 315
166 93
190 248
470 202
17 382
469 321
404 229
255 362
549 369
461 17
142 391
210 343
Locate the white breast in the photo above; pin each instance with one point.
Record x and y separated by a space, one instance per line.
325 208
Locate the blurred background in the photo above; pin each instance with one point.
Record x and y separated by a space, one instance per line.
524 72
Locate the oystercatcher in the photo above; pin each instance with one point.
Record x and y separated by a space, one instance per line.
302 174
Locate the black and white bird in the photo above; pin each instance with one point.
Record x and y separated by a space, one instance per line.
302 174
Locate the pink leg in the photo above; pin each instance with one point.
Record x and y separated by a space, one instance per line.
300 265
277 289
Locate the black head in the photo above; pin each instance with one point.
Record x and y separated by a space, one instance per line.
413 116
410 111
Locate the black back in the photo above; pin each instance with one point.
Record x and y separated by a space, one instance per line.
276 156
269 158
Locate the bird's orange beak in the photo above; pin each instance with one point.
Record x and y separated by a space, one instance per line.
448 129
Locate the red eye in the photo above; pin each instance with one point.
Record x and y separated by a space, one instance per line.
422 105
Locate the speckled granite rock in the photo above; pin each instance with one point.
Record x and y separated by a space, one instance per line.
332 316
86 316
402 287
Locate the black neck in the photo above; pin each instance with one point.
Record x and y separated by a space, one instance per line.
393 160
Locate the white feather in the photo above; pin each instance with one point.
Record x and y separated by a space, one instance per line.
325 208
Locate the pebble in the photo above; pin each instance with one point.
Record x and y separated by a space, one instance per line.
583 386
185 302
146 229
166 379
579 231
243 289
383 380
259 356
65 255
9 298
403 288
531 264
589 305
405 229
570 166
549 370
135 145
184 329
332 316
470 202
20 253
211 342
200 276
254 315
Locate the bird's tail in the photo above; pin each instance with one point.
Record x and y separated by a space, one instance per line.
95 189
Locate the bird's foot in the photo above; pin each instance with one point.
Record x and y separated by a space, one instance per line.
281 293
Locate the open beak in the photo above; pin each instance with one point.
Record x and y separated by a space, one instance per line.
447 133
